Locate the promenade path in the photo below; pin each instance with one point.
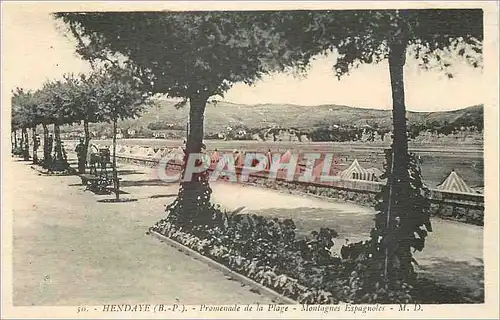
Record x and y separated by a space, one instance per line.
69 249
453 254
107 256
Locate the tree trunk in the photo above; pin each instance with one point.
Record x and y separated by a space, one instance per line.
115 173
13 137
58 146
25 141
194 195
46 147
21 141
87 136
399 177
196 122
35 145
59 162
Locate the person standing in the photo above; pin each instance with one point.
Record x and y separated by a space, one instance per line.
81 154
50 146
92 158
36 144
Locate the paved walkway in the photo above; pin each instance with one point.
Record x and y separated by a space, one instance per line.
108 258
453 253
69 249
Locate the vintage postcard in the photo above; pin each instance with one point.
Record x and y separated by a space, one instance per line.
250 160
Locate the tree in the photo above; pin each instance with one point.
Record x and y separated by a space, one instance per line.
58 99
84 107
14 126
191 55
18 118
26 115
97 97
117 96
433 37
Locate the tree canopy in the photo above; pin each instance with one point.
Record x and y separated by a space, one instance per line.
186 53
433 36
106 95
94 98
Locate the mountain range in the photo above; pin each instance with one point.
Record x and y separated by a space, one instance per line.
220 115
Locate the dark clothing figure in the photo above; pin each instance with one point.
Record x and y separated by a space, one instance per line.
81 154
26 152
50 146
36 144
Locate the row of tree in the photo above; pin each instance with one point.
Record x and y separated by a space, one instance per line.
106 95
198 55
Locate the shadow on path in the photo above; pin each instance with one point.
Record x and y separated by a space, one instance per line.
114 200
163 196
142 183
126 172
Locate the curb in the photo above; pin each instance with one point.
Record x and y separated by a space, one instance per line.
225 270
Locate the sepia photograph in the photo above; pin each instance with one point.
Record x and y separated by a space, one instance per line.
224 160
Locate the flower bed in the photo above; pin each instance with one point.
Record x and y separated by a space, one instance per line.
303 269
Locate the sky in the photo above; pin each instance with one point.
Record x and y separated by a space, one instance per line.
37 50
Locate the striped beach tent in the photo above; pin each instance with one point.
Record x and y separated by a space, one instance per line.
149 152
135 150
158 154
375 174
178 151
317 171
214 159
172 151
453 183
275 158
239 158
141 151
479 189
285 158
269 156
120 149
355 172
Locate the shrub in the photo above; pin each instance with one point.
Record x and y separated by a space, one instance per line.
305 269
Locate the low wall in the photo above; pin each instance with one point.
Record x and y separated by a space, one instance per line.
457 206
468 208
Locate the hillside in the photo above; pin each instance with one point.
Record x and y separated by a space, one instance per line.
220 115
